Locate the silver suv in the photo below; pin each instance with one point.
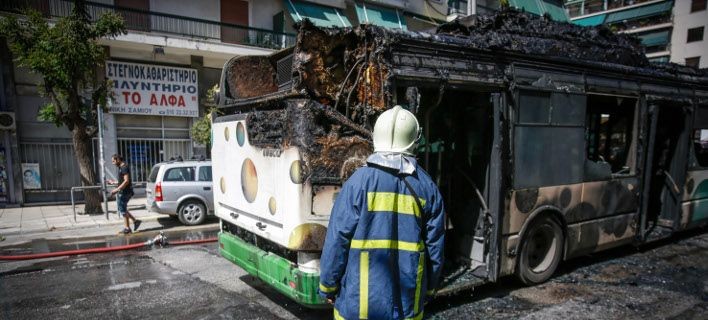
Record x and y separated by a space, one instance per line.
181 189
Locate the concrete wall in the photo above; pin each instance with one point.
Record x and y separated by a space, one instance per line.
261 13
684 20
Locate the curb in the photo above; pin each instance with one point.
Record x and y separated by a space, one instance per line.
79 227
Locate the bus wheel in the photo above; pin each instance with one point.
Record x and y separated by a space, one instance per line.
541 250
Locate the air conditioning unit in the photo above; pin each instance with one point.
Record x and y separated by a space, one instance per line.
7 121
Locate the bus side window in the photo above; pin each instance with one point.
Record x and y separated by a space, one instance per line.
549 139
609 137
700 146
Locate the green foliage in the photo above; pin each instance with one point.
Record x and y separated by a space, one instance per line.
68 57
201 130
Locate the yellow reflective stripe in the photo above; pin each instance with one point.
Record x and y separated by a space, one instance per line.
327 289
337 316
387 244
418 284
364 285
416 317
394 202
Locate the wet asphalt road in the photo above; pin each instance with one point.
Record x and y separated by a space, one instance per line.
668 280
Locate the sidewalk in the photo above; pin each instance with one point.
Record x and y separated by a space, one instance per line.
57 221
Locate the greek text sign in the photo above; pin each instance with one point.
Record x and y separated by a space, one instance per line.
153 90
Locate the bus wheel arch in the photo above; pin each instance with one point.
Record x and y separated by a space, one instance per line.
542 246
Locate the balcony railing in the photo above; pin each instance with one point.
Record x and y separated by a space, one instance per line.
149 21
459 7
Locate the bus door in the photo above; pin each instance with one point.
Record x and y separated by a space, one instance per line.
666 165
461 151
695 198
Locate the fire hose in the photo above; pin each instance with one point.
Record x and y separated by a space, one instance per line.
159 240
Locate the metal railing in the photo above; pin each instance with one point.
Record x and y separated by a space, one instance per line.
149 21
142 154
58 169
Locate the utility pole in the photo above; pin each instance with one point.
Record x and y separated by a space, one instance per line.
101 160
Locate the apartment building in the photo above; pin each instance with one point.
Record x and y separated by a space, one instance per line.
151 122
688 41
652 21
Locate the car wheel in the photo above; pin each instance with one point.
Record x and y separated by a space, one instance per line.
192 212
541 250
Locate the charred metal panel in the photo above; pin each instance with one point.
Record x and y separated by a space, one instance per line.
330 148
250 76
701 116
611 85
509 244
603 198
546 156
592 236
548 80
659 92
526 201
443 68
576 202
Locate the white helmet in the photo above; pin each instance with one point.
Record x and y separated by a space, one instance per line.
396 130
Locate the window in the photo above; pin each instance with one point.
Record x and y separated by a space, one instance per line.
609 137
700 146
180 174
695 34
693 62
698 5
205 173
153 173
549 139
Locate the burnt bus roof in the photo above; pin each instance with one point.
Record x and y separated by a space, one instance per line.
503 37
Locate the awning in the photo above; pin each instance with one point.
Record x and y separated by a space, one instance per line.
655 38
595 20
554 8
382 17
321 16
640 12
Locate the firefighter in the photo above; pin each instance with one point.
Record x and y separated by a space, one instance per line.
383 253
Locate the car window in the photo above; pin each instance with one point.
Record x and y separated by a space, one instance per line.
179 174
205 173
153 173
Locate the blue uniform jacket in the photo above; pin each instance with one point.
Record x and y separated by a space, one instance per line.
382 257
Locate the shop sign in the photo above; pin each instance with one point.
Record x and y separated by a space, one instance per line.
144 89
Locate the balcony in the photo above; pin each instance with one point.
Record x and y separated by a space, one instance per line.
459 8
161 23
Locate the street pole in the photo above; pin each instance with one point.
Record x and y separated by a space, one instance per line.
101 161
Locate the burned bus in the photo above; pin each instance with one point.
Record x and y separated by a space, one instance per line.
547 140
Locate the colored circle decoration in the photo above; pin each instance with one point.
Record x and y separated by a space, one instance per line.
272 205
240 134
249 180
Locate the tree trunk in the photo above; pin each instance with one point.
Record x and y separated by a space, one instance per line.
82 147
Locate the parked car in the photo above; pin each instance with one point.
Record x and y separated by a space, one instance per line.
182 189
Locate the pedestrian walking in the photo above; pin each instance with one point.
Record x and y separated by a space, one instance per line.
383 253
123 193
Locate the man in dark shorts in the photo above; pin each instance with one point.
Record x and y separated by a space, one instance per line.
123 193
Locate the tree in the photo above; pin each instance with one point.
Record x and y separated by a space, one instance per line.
201 130
66 53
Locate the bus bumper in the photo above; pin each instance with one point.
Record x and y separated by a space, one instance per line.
274 270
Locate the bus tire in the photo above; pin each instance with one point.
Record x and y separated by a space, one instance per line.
541 250
192 212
